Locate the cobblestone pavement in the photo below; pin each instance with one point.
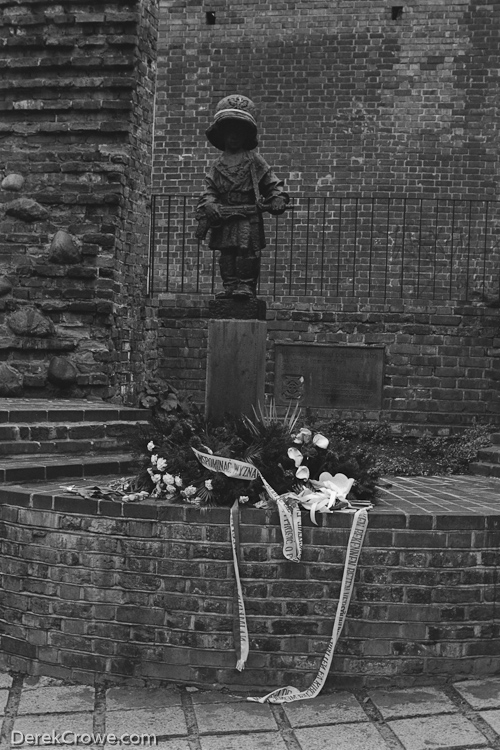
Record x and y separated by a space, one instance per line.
463 715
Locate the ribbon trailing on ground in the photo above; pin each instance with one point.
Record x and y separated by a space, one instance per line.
241 633
291 529
356 537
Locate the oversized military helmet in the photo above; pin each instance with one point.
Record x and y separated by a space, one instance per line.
240 109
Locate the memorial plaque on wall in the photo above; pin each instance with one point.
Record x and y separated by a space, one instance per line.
329 376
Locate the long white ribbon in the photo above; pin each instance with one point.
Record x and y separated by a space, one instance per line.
242 640
291 529
356 537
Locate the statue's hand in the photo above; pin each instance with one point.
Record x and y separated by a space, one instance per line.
212 212
277 205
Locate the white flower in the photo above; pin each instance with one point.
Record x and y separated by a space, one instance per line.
320 441
302 472
151 446
156 478
154 459
189 491
168 479
161 464
296 456
243 499
304 435
209 485
340 484
178 481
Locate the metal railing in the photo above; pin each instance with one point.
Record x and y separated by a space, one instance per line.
344 246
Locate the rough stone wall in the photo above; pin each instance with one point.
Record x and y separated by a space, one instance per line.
75 154
441 360
350 99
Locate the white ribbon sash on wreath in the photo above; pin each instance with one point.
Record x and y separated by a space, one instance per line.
291 529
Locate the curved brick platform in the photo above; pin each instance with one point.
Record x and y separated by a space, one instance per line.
143 593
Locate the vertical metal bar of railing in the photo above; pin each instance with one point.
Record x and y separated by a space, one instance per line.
469 231
183 242
169 218
450 286
387 246
419 254
354 254
370 264
486 213
276 234
290 267
402 275
436 230
338 246
306 274
322 267
214 265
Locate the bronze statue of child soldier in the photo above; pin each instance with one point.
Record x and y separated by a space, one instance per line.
239 187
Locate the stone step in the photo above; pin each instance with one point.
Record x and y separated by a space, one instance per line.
70 437
489 455
49 467
485 469
16 410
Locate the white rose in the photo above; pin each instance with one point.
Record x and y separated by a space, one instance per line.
209 485
168 479
161 464
151 446
154 459
178 481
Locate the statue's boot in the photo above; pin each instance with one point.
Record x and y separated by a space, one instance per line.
247 272
227 266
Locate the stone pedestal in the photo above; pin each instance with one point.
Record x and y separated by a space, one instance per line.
237 308
236 367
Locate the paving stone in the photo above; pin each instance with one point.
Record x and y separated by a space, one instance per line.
410 702
5 680
78 723
342 737
493 719
214 717
156 721
257 741
4 697
480 693
166 745
433 732
122 698
337 708
49 700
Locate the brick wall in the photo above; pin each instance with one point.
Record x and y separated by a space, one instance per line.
76 165
148 596
441 360
350 100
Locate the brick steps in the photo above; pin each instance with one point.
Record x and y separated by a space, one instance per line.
42 440
71 437
48 466
488 463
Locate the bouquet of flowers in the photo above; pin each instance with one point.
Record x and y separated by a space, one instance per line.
291 459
